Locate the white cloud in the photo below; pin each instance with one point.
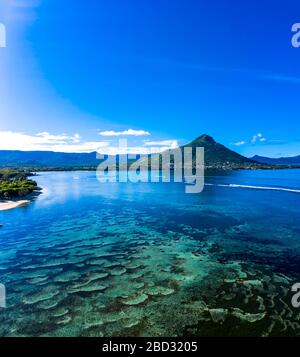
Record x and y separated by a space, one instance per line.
134 150
61 138
45 141
258 137
115 150
148 147
129 132
84 147
240 143
171 144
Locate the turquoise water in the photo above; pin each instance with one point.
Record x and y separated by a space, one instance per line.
93 259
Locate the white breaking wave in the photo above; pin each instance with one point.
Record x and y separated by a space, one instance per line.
255 187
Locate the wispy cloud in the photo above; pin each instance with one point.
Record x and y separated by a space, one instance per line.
24 3
250 74
45 141
240 143
259 75
172 144
145 147
129 132
58 139
258 138
281 78
20 11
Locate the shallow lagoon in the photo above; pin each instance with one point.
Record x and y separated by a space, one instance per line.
91 259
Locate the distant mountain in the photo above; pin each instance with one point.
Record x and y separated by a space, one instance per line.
216 154
295 160
46 159
49 159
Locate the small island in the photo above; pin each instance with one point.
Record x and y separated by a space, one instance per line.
15 185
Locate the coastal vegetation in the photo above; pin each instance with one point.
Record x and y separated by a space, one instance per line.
14 184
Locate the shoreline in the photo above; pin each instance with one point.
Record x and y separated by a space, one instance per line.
259 167
8 205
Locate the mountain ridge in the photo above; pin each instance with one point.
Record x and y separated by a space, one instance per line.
293 160
12 158
216 155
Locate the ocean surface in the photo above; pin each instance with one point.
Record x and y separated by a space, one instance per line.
147 259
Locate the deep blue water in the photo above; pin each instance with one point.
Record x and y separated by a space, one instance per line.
93 259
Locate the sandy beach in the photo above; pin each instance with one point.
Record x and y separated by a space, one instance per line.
6 205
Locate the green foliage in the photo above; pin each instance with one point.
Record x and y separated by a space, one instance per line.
15 184
7 174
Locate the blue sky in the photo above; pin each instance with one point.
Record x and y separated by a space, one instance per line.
75 71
